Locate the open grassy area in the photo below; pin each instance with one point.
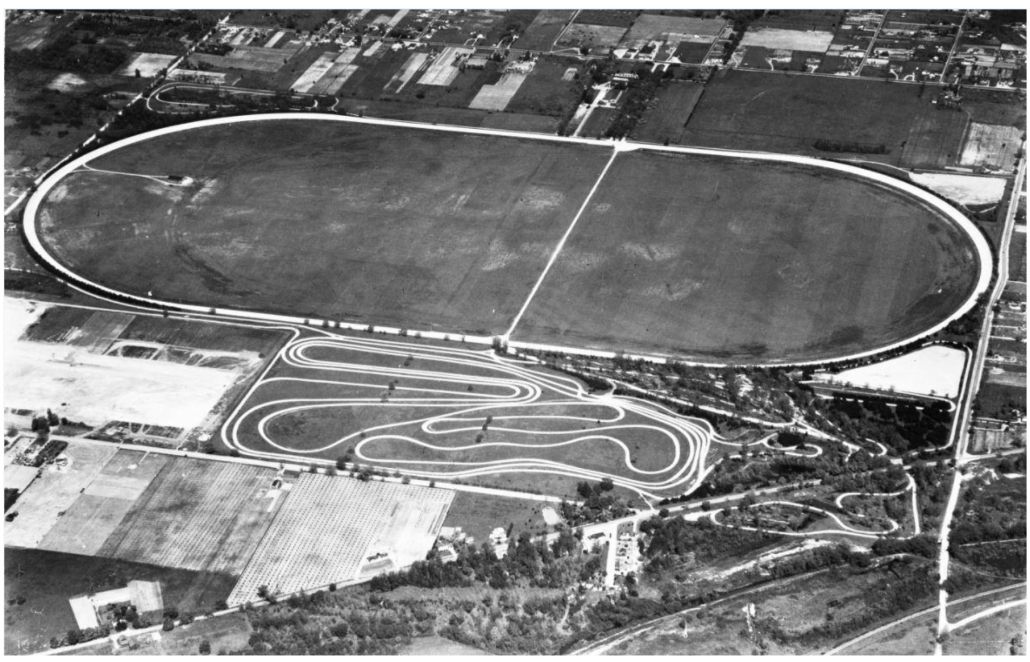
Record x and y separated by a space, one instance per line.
1003 633
412 228
681 261
803 616
784 113
47 579
479 514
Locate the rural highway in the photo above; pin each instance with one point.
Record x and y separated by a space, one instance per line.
838 650
970 388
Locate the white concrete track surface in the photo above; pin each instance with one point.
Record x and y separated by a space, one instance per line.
534 413
844 528
923 197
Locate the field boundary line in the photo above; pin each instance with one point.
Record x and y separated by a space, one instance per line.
560 246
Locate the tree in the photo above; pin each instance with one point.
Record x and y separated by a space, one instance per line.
205 647
341 462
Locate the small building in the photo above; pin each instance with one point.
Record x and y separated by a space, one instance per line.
446 553
90 609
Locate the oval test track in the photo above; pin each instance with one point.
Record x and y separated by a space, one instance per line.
938 205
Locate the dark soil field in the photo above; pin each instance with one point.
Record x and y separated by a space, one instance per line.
545 28
47 579
58 323
1017 257
789 113
404 227
703 257
666 119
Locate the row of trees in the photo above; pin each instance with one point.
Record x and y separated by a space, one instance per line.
526 563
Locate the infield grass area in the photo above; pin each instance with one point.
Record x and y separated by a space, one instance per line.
356 222
805 264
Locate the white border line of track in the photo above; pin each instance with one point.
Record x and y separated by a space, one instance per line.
984 254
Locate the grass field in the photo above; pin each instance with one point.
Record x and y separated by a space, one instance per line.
699 270
479 514
993 635
454 242
784 113
47 579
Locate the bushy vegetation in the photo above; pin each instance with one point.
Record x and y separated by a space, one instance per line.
990 511
527 563
856 474
638 97
599 504
901 428
848 146
673 543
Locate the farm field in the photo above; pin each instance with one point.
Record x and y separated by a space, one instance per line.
784 113
666 119
545 28
47 579
425 229
198 516
697 270
1018 255
443 413
147 507
365 527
